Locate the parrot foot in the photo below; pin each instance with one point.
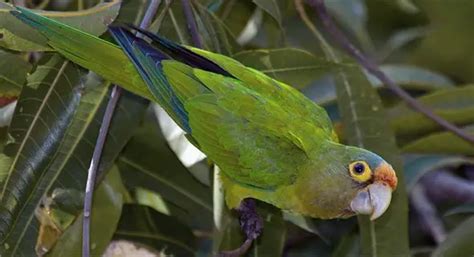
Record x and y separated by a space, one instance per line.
250 223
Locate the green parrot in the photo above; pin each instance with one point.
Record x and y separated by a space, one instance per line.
271 142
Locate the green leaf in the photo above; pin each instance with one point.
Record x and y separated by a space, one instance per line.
106 212
353 15
13 71
144 225
414 78
236 15
61 109
441 143
348 246
458 242
408 77
301 221
364 126
455 105
21 37
148 162
272 7
417 167
38 127
296 67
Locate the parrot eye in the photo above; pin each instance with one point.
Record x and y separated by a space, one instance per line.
360 171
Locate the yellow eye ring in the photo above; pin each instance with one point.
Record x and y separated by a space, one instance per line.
360 171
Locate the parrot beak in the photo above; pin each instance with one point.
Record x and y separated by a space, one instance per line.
375 198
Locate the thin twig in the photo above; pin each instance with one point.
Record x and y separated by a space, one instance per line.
372 68
106 120
191 22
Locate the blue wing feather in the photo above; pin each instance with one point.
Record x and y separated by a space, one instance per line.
147 60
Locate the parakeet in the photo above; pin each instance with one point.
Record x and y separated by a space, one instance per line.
271 142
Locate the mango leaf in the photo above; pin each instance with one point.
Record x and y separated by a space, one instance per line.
418 166
273 8
410 78
21 37
37 130
364 126
108 201
57 149
148 162
236 15
441 143
416 78
13 71
348 246
454 104
164 233
290 65
352 14
458 242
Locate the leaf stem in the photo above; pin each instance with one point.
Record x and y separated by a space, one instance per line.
106 120
191 22
372 68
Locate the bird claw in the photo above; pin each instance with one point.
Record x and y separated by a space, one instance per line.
250 223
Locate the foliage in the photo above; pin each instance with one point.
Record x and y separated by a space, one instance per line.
149 195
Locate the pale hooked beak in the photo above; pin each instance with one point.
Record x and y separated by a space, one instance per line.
375 198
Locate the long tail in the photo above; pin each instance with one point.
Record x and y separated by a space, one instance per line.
87 50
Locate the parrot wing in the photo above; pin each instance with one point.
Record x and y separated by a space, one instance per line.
257 137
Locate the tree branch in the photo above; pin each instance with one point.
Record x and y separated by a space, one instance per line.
372 68
191 22
106 120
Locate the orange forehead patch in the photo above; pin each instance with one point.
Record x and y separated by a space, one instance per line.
385 173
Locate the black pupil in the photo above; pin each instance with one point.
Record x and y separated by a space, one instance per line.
359 168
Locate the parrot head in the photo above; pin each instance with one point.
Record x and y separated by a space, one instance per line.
356 181
374 180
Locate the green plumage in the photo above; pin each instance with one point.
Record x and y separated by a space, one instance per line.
270 141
